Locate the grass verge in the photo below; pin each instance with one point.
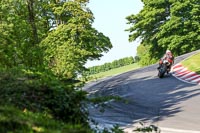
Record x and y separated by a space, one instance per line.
193 63
114 71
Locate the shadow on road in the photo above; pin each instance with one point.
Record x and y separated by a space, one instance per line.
148 98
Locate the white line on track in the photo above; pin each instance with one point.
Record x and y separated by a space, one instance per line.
172 130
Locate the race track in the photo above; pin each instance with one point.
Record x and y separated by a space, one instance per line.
168 103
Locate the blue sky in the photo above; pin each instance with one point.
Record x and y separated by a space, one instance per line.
110 20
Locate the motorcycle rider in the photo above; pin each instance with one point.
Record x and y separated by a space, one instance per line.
167 56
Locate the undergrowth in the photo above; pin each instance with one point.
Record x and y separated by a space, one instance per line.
32 101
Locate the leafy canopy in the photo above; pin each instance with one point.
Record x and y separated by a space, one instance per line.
74 41
48 34
167 24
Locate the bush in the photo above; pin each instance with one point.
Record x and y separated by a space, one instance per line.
42 92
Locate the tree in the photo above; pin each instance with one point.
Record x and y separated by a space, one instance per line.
181 33
144 56
73 41
165 24
44 45
23 26
54 33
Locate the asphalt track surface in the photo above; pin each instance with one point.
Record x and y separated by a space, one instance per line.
170 104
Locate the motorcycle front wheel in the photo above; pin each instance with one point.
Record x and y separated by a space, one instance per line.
161 71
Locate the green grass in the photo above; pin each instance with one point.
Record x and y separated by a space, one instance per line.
193 63
115 71
13 120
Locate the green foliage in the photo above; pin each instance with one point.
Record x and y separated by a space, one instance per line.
111 72
42 92
145 57
43 47
64 55
74 41
18 43
182 31
114 129
49 34
147 129
108 66
167 24
15 120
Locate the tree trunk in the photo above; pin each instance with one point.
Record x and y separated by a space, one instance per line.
32 22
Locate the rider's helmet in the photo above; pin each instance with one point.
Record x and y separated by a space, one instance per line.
168 51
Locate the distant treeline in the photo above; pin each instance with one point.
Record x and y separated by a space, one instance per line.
108 66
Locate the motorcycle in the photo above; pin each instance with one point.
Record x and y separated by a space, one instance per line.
164 68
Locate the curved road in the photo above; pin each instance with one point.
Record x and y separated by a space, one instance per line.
170 104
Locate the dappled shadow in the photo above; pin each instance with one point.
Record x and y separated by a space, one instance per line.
147 98
10 122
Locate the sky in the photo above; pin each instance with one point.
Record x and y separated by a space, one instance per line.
110 20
